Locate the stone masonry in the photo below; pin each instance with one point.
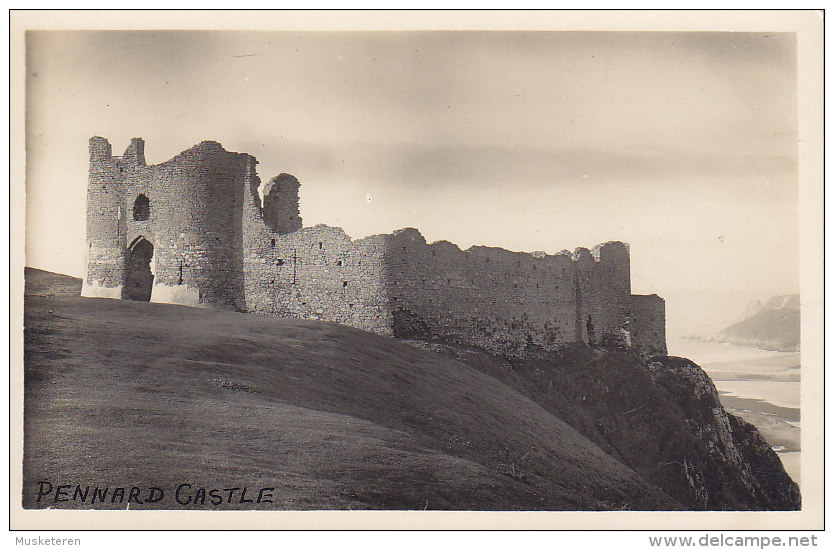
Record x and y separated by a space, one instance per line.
195 231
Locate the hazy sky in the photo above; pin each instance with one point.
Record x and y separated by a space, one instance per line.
682 144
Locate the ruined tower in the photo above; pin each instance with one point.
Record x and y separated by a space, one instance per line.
166 233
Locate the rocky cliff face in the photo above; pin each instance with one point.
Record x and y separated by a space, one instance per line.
660 416
731 467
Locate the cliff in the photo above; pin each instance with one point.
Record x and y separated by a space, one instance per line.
771 325
660 416
330 417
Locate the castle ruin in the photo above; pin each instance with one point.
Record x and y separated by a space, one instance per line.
195 231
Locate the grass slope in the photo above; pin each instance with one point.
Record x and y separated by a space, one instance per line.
137 394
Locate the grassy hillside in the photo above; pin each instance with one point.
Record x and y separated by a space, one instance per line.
124 394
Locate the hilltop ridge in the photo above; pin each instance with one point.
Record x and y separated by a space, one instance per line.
771 325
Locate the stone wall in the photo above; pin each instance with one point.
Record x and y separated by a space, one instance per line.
488 297
313 273
647 323
605 286
399 285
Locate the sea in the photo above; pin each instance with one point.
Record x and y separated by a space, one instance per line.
762 387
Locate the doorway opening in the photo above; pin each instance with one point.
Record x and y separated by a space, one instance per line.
138 276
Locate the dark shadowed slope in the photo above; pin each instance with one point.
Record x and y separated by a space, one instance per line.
660 416
124 394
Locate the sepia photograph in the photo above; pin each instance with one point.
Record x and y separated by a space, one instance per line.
477 262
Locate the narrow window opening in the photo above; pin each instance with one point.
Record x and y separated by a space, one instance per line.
321 245
141 208
272 243
344 284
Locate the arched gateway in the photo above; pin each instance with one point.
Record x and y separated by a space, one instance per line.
138 276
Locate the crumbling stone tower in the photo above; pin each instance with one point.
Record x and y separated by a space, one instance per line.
166 233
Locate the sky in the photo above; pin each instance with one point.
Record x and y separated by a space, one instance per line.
682 144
